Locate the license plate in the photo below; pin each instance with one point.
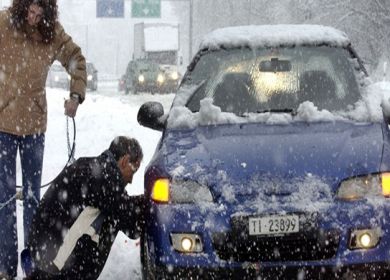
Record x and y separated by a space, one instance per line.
275 224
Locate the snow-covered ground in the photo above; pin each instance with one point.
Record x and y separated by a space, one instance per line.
104 115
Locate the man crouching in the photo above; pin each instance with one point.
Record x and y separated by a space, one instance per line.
81 213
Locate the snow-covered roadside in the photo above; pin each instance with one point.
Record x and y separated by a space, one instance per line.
99 119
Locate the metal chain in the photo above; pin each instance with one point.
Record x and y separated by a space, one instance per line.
2 205
71 151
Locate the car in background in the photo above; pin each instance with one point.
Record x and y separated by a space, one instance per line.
58 77
272 163
144 75
92 76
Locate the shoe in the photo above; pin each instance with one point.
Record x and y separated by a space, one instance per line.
4 276
27 262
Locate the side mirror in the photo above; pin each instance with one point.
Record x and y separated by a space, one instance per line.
150 115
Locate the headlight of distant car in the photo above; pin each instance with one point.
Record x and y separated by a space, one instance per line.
365 186
141 78
89 77
160 78
69 77
180 191
56 78
174 75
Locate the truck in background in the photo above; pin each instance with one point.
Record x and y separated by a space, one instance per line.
154 44
158 42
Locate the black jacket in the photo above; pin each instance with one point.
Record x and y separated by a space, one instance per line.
95 182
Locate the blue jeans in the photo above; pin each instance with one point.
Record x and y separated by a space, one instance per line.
31 149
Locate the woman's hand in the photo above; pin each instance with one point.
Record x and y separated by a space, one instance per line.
71 106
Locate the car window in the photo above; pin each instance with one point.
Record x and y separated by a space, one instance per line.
245 80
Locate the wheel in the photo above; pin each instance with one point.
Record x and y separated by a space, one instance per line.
95 85
146 264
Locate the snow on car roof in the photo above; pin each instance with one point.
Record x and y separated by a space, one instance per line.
273 36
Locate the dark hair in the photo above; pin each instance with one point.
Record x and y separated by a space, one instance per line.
123 145
46 26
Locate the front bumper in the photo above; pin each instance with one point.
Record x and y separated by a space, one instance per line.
318 251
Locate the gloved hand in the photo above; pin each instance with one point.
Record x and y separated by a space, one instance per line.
71 106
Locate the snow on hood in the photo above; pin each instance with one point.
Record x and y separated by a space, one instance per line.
332 150
274 35
297 163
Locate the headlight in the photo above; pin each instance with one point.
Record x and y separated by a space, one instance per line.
56 78
365 186
141 78
89 77
174 75
180 191
69 77
160 78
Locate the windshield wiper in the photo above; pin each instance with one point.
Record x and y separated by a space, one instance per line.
285 110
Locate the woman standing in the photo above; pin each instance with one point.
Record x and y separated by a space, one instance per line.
31 38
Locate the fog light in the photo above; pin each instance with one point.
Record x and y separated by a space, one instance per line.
364 238
187 242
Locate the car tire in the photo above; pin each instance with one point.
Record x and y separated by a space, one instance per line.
146 264
95 85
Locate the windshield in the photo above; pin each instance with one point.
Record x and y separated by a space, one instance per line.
278 79
146 66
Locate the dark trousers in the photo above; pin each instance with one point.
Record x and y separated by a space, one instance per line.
31 155
88 258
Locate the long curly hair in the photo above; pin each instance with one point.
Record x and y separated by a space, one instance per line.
46 26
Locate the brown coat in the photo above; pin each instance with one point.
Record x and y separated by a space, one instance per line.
24 65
